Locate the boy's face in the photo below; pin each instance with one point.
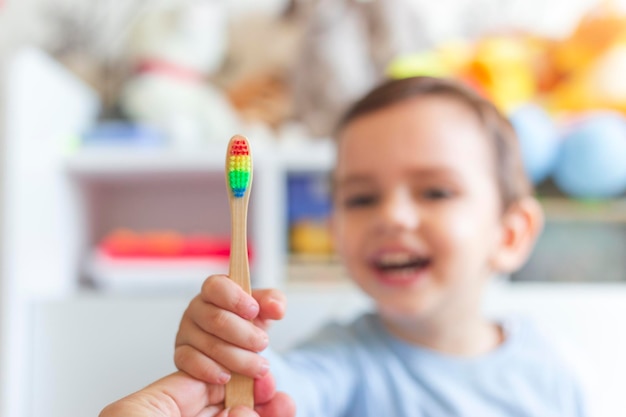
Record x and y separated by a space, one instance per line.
417 211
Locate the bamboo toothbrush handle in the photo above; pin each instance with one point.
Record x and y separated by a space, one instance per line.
239 268
240 389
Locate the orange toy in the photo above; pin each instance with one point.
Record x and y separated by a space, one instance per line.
591 64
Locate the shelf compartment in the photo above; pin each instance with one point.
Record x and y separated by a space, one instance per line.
315 269
121 162
562 209
149 275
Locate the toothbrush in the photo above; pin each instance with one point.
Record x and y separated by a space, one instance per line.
239 390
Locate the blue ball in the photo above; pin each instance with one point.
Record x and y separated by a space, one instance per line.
539 140
592 162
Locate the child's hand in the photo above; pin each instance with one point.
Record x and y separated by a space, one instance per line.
223 329
179 395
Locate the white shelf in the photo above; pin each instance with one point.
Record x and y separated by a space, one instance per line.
151 276
114 162
104 163
307 155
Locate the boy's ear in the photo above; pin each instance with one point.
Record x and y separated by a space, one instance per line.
521 225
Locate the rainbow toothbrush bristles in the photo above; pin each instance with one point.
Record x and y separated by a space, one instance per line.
239 167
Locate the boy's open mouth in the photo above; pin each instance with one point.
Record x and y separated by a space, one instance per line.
400 264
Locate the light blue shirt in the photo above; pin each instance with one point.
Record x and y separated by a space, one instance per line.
360 370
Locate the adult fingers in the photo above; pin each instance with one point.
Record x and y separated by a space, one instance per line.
177 394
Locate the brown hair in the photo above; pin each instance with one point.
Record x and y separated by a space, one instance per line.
512 180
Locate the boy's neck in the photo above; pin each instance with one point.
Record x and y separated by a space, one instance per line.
471 336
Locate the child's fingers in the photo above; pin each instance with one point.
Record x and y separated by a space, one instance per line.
229 356
199 366
272 303
226 326
223 292
272 307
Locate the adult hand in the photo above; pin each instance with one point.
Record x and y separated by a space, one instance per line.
180 395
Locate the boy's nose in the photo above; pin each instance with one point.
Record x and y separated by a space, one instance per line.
399 211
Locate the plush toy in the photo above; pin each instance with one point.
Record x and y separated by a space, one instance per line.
175 50
589 65
539 140
502 66
256 77
592 161
345 51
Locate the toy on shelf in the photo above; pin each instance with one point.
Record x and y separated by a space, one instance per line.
589 65
581 72
499 67
176 49
128 244
157 261
123 134
345 49
308 212
257 78
592 161
539 139
502 67
541 83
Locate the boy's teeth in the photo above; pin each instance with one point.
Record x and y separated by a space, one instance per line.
399 260
393 259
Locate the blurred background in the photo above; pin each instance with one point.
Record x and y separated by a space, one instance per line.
114 121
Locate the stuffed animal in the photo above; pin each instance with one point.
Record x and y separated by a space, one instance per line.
175 50
350 45
590 64
345 50
257 66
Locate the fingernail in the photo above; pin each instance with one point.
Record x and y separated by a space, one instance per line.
265 340
265 368
277 302
223 377
251 311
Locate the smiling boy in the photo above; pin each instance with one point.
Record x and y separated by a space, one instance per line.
430 202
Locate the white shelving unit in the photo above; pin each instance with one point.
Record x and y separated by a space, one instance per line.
61 202
131 179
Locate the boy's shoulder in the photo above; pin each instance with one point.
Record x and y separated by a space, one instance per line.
532 354
351 332
525 340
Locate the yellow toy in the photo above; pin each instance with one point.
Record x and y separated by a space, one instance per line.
583 72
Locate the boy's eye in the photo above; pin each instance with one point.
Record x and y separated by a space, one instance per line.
437 193
362 200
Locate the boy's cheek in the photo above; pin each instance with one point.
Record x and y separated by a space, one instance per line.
340 230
